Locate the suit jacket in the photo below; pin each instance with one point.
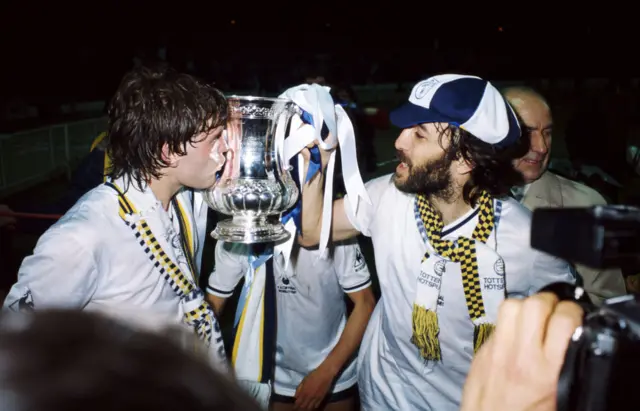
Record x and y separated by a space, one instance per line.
551 190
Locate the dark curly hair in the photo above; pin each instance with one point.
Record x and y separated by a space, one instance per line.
492 166
154 106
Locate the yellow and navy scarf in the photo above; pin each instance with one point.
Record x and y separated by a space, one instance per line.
198 313
463 251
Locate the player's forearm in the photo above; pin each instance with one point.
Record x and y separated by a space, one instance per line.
217 303
312 201
351 336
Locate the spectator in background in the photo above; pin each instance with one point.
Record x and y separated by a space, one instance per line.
543 188
73 360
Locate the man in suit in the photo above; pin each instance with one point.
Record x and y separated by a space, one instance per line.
545 189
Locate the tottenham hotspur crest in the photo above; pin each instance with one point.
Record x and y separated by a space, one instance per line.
498 267
424 87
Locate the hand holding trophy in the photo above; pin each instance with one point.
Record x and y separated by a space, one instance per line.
266 137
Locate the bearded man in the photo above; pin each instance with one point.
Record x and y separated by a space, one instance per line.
449 244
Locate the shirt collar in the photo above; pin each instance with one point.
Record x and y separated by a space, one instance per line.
142 198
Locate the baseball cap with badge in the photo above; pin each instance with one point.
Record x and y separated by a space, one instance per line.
468 102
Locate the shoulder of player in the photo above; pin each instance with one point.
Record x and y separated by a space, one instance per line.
86 222
514 215
514 228
384 186
380 183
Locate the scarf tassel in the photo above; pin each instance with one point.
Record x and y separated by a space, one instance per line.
481 334
425 333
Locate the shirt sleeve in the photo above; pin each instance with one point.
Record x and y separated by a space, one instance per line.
362 218
61 273
231 264
548 269
351 268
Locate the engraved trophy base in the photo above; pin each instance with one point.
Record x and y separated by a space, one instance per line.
250 230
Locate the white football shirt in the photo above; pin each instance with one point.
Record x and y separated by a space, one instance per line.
311 309
392 374
91 260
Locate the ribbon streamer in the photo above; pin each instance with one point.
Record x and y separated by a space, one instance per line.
328 123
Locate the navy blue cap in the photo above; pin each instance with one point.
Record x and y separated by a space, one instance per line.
468 102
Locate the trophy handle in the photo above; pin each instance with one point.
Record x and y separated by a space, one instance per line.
281 129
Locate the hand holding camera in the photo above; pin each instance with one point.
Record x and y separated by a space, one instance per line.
518 367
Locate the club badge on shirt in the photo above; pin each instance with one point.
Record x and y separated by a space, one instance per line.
496 283
440 267
285 285
498 267
359 263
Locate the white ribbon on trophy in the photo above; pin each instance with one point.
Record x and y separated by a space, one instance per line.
318 103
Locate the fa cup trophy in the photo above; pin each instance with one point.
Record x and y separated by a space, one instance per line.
255 187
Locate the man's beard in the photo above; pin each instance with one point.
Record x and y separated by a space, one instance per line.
432 178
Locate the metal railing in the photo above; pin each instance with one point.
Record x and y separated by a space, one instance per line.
31 157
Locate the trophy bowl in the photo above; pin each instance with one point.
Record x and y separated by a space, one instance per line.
255 187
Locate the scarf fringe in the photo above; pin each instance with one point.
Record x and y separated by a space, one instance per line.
481 334
425 333
425 322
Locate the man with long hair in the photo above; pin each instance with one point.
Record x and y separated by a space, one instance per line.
449 244
132 241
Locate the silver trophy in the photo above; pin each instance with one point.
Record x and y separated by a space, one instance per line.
256 186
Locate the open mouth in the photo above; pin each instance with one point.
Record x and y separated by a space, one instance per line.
402 167
401 158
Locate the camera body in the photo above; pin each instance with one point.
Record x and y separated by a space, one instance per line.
603 357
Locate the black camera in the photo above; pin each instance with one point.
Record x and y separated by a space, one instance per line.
603 357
